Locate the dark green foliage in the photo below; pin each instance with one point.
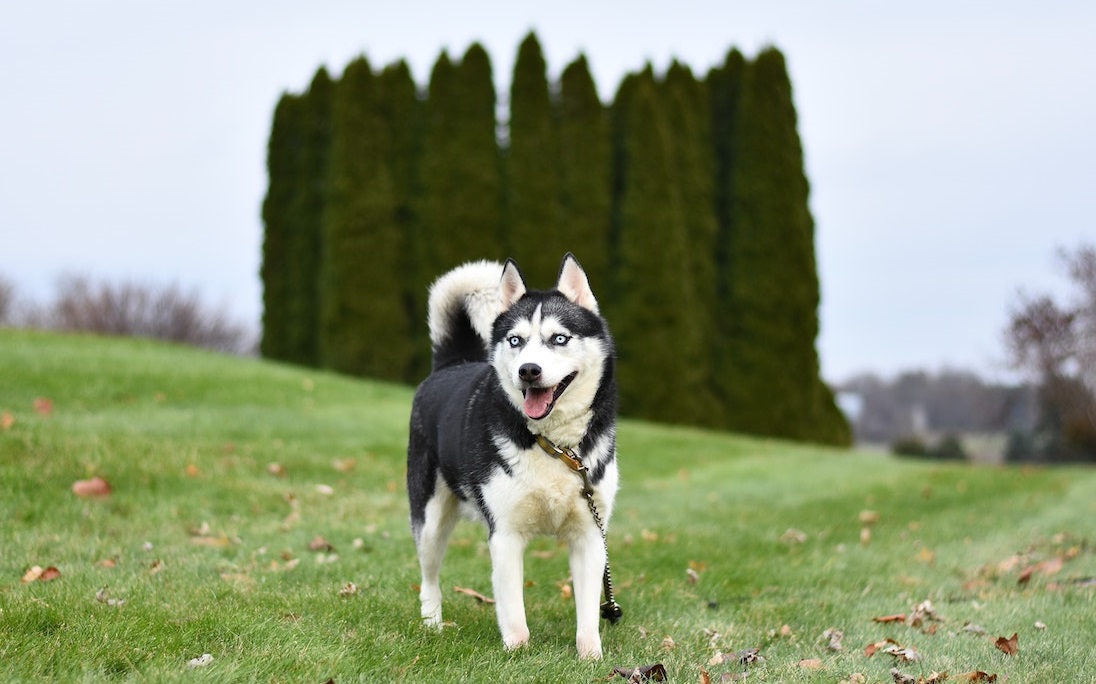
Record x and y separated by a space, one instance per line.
686 101
460 195
283 159
586 173
656 337
293 214
910 446
685 200
948 448
366 231
774 386
534 194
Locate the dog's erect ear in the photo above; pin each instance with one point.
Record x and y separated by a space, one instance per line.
574 285
512 285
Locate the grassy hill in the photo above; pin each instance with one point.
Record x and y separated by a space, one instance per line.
258 515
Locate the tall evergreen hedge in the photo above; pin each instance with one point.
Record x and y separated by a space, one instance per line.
293 212
685 199
534 219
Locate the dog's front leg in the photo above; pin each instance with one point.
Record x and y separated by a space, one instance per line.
587 566
507 576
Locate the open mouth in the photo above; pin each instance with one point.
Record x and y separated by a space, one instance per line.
539 401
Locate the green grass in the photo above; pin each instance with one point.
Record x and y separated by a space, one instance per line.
210 550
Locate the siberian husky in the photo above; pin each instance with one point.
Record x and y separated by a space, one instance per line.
512 365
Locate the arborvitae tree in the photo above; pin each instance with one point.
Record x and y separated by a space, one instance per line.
300 146
586 171
773 279
460 197
652 267
401 112
362 278
686 101
724 87
283 162
534 213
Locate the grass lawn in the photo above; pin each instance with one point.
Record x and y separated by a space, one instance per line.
258 515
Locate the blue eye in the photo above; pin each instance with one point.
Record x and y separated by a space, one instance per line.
514 341
560 340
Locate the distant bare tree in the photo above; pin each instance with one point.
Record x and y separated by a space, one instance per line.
129 309
1056 345
7 301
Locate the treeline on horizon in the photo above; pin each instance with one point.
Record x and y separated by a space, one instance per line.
685 199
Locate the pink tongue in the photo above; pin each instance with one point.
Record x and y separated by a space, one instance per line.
538 401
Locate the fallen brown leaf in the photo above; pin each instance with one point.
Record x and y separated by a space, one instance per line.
40 574
95 488
904 655
43 406
474 594
646 673
975 676
835 636
1047 567
320 544
1009 646
872 649
811 664
900 678
6 421
349 589
897 617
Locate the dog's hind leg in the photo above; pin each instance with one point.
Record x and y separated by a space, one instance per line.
431 540
587 566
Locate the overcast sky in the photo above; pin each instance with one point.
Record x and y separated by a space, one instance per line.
949 145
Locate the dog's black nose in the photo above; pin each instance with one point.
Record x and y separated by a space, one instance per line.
529 372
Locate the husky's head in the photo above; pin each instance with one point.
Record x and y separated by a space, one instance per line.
549 348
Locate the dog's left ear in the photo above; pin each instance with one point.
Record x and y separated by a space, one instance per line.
512 286
574 285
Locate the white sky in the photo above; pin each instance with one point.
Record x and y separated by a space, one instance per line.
950 146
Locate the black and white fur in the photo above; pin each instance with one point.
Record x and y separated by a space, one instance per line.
511 363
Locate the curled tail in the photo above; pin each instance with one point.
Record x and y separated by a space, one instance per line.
462 309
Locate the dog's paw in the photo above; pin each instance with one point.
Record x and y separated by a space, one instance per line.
516 639
589 648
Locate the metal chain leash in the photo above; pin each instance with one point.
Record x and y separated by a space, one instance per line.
610 609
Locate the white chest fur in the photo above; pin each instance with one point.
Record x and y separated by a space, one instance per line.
541 496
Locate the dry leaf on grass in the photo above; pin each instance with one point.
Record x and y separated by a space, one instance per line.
871 649
474 594
900 678
1009 646
933 678
349 589
40 574
897 617
6 421
103 596
646 673
43 407
811 664
318 543
975 676
793 536
749 656
95 488
1047 567
201 661
907 654
834 637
